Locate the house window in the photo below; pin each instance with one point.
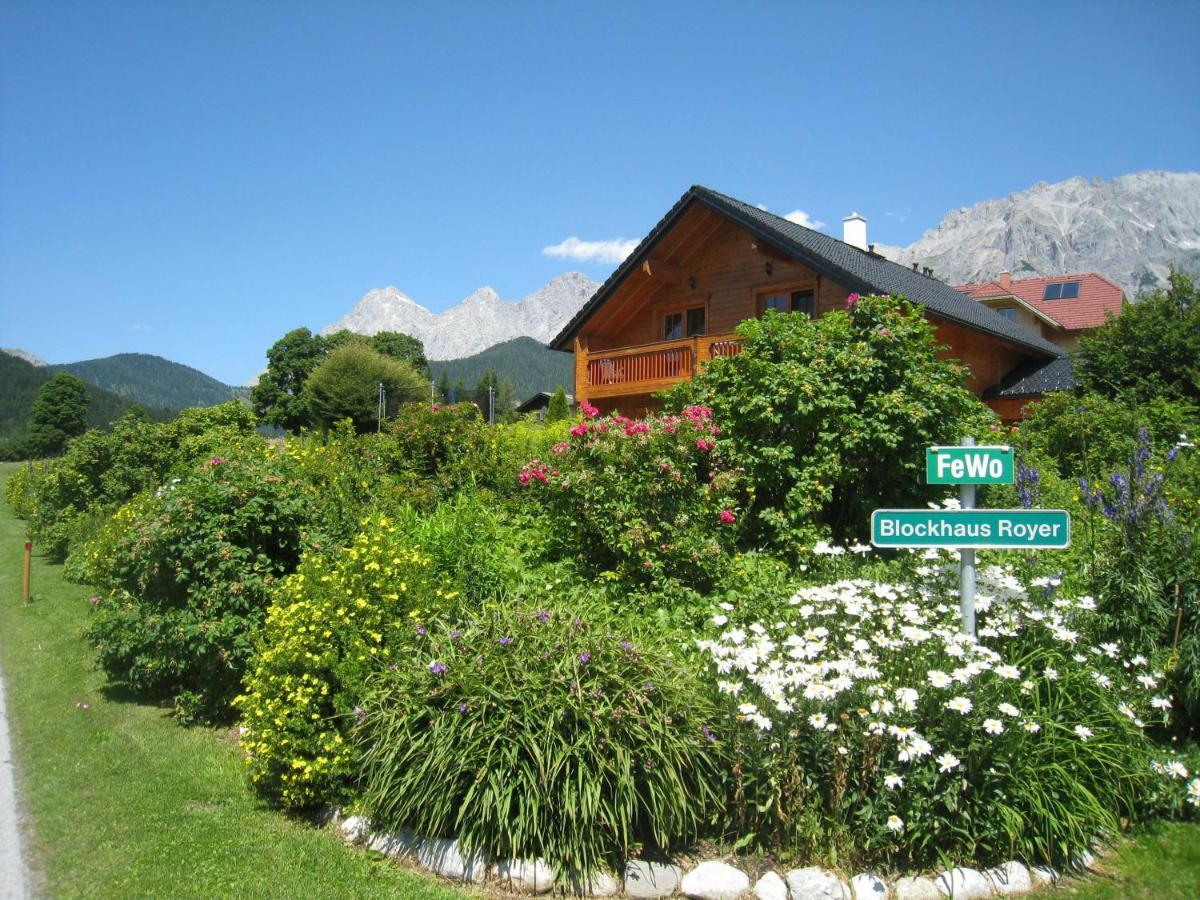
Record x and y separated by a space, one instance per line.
672 326
1008 312
683 324
1064 290
790 301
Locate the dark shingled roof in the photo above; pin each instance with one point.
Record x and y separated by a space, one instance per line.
856 269
1038 377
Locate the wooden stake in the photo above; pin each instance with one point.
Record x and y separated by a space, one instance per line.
25 580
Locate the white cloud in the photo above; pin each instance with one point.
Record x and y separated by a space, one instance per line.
141 327
800 217
613 251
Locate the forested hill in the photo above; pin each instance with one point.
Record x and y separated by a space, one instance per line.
525 363
19 384
151 380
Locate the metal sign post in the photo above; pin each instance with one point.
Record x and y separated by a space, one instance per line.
968 528
966 560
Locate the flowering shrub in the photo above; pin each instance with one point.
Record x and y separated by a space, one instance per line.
1142 564
434 442
66 499
571 736
185 572
346 474
646 500
827 416
872 729
340 618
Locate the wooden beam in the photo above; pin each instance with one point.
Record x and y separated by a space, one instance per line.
634 304
662 270
767 249
697 219
700 236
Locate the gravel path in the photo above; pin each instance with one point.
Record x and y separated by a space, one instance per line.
12 870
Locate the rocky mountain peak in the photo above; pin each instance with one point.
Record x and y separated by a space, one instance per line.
32 358
1131 229
481 320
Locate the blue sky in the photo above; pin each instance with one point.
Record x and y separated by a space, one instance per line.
195 179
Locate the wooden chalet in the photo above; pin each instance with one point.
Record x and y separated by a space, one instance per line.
714 261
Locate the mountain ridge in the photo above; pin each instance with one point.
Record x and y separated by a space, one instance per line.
1130 229
479 321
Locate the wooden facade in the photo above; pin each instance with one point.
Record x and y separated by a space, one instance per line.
708 268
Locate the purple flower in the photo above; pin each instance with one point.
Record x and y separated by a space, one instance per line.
421 630
438 668
1172 453
505 641
543 616
649 686
360 715
455 634
626 645
707 732
585 657
463 709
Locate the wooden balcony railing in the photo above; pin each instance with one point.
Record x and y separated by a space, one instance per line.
650 367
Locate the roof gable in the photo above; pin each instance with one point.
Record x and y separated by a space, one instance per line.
858 270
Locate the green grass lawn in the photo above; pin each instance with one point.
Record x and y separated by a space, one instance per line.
124 802
1163 864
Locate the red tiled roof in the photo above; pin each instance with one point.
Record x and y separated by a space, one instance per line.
1097 298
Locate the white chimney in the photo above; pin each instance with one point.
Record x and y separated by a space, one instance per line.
854 231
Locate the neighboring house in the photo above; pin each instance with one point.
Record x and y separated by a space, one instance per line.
539 403
1060 308
714 261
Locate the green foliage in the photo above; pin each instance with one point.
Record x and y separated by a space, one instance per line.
495 395
1152 350
643 502
558 410
341 617
560 734
437 443
186 572
404 348
1131 480
151 381
18 491
58 414
277 396
828 416
528 365
346 386
1081 435
70 495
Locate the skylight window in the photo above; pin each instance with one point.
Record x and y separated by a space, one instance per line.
1064 290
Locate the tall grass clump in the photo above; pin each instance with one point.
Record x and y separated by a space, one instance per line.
566 735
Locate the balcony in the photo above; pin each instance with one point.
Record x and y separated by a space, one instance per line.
648 368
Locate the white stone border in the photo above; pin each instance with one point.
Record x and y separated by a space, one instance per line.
710 880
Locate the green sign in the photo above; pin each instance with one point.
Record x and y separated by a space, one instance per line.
1029 529
968 465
